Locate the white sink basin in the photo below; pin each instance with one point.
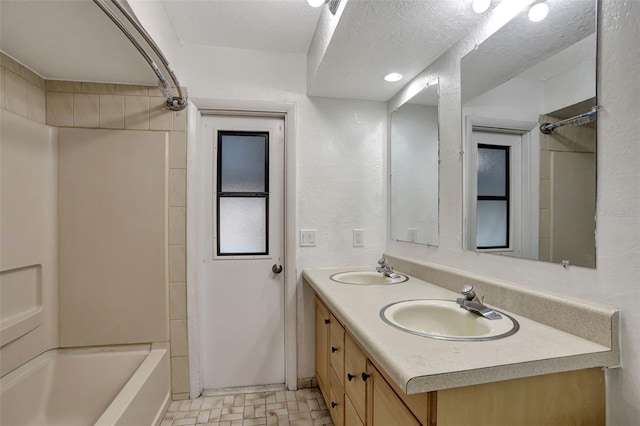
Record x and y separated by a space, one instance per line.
445 319
366 278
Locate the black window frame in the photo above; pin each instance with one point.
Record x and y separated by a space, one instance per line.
506 197
245 194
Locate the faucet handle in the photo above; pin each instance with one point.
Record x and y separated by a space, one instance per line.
468 292
382 261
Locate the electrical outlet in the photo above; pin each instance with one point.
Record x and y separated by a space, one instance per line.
412 233
307 238
358 237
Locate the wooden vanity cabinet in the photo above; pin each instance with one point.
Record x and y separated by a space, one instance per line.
358 393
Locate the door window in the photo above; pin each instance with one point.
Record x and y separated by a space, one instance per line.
242 193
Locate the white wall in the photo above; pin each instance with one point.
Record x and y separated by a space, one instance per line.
616 280
340 161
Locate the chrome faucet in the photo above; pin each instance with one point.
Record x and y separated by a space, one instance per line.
472 303
385 269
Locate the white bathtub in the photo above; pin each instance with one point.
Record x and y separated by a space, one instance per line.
127 385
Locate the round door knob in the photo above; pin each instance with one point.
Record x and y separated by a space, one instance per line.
350 377
276 269
326 321
365 376
333 404
334 349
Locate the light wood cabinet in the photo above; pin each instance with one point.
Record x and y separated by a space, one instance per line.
336 347
322 346
355 370
358 392
351 417
385 407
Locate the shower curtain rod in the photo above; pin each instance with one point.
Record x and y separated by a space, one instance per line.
174 103
578 120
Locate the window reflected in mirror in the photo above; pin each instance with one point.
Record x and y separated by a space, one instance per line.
529 191
414 159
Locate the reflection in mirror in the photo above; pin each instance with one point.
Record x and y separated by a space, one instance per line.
531 193
414 168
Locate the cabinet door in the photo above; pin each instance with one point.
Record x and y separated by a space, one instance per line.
322 345
385 407
336 399
355 364
351 418
336 347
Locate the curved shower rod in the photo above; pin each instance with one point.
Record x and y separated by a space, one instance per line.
174 103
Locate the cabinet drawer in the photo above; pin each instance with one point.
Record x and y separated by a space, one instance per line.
336 347
336 399
351 418
355 364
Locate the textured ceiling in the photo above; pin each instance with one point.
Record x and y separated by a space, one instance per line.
522 44
267 25
374 38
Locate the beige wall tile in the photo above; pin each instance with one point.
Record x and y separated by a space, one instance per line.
9 63
60 109
178 301
36 103
179 396
99 88
179 374
86 110
180 120
177 187
544 249
2 103
545 222
177 225
178 150
179 346
177 264
15 88
64 86
160 118
32 77
136 112
132 90
112 111
545 189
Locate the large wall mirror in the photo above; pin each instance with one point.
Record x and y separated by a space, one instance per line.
530 191
414 168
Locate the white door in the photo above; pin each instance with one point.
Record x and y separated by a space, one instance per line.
241 290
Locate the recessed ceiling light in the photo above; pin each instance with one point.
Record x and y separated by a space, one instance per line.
480 6
315 3
394 76
538 12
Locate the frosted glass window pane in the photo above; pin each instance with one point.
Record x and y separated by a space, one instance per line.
242 163
243 225
492 223
492 172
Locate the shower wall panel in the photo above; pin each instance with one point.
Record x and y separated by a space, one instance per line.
113 237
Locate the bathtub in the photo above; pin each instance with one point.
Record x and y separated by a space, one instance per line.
127 385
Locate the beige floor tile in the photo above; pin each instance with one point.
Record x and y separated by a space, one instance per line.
238 400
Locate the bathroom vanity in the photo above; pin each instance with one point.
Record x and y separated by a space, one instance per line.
373 374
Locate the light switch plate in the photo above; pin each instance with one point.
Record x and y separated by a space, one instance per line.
307 238
412 234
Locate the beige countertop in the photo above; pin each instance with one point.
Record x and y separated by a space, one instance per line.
420 364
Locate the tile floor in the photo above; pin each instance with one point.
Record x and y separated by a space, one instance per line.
304 407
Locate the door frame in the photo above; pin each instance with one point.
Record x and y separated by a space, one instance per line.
199 107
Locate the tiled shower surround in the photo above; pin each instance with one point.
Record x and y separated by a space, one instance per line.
116 106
